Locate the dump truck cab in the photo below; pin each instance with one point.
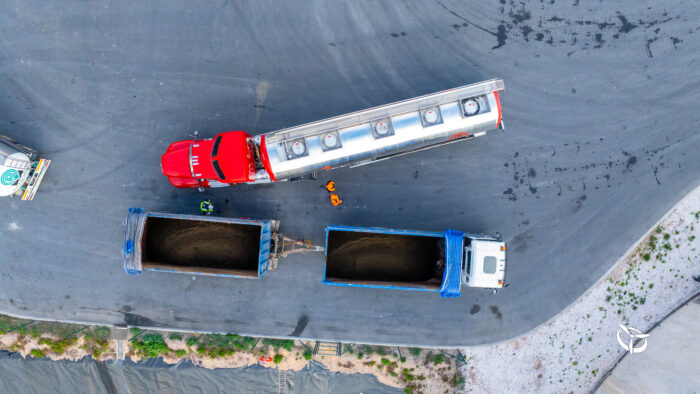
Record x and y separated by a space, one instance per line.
485 260
226 159
21 170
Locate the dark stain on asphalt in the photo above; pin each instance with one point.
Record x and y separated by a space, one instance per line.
519 243
579 203
626 26
415 174
511 195
631 161
521 16
185 319
501 37
66 297
475 309
500 34
301 325
237 322
140 321
531 173
126 308
599 40
496 312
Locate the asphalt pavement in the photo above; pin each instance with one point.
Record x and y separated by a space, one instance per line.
601 138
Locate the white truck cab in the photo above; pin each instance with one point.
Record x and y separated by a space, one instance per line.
485 260
21 170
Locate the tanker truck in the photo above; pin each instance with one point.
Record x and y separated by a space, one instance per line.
21 169
353 139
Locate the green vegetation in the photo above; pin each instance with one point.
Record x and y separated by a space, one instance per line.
277 359
217 345
180 352
152 346
36 353
415 351
458 382
102 332
286 344
58 346
308 355
175 336
385 361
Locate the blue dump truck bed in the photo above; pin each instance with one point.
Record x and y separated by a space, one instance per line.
394 259
205 245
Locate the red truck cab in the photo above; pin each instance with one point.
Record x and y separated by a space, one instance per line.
226 159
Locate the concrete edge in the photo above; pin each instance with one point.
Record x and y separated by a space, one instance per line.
648 330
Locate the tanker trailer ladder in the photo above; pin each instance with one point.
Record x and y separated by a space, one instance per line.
284 246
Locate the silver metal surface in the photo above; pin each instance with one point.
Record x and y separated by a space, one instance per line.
361 144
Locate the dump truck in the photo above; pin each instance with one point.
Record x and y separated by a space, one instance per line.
354 139
21 169
413 260
204 245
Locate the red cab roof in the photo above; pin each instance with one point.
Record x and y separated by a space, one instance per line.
235 157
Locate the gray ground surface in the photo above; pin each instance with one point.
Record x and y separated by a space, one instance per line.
18 375
600 105
670 362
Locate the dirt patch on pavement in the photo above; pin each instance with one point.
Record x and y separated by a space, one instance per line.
188 243
384 257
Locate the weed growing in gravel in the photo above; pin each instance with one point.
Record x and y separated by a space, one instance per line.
152 346
175 336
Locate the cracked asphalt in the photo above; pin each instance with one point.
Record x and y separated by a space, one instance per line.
602 138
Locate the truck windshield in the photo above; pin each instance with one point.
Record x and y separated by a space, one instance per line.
215 149
217 168
489 265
